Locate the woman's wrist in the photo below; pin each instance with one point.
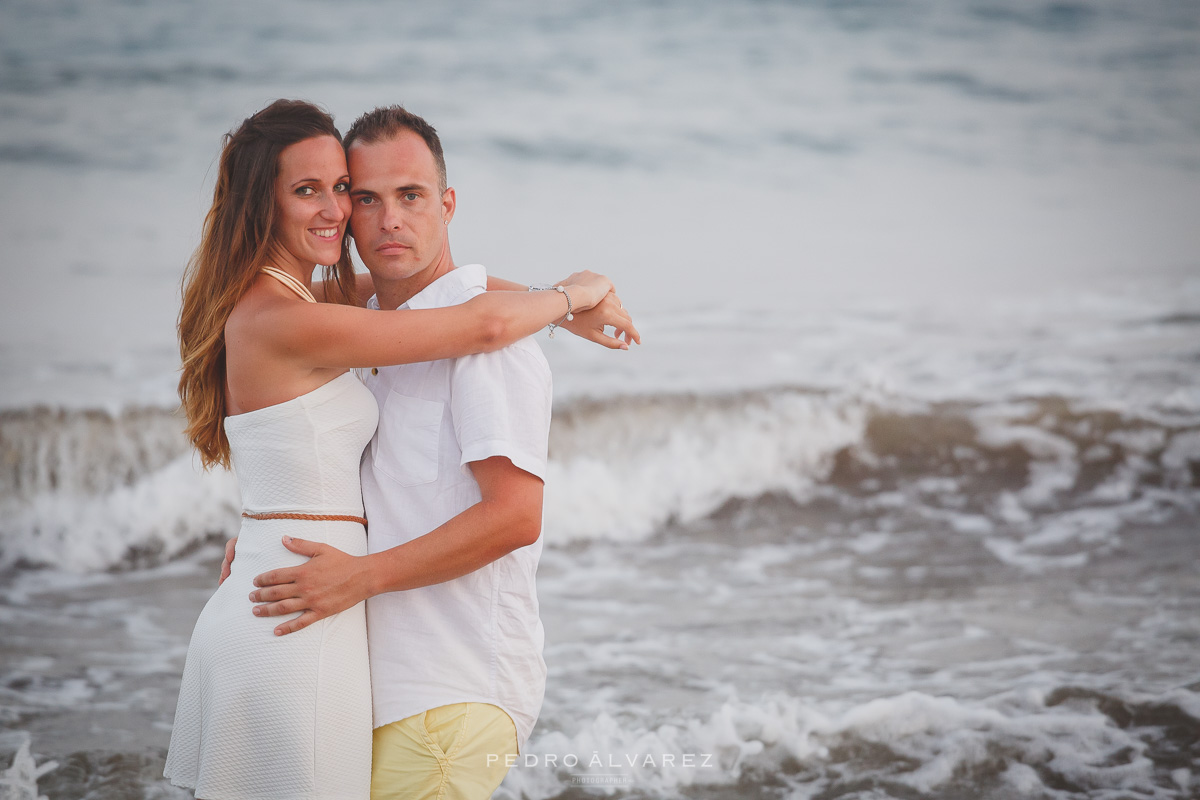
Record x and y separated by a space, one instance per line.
573 294
565 291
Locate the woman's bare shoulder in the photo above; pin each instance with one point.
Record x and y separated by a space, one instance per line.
259 308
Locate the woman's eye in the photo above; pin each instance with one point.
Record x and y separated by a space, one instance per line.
305 191
341 186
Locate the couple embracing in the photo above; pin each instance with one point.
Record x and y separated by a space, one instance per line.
330 664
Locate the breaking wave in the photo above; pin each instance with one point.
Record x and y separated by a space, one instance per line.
1043 481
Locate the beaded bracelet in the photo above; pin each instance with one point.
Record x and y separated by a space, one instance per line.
570 305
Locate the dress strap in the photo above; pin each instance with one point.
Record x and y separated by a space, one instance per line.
290 282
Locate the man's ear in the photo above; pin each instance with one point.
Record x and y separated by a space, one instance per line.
449 203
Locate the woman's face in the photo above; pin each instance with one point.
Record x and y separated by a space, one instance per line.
312 193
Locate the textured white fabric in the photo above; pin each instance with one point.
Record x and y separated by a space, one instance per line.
265 716
477 638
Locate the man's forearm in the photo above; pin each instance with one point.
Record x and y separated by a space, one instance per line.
475 538
508 516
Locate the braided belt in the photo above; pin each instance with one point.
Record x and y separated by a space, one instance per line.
318 517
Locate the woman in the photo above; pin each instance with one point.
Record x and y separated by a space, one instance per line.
266 387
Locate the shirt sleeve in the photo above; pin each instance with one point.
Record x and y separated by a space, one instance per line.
500 403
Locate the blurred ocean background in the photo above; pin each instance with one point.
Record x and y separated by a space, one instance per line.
899 499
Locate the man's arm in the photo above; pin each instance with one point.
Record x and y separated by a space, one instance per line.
508 516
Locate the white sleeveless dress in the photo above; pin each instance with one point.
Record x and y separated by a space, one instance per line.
283 717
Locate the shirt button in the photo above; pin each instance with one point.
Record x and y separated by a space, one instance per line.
374 370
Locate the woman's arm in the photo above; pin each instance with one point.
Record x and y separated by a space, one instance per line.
337 336
587 324
495 284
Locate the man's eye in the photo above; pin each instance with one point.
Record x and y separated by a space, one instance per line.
411 196
366 201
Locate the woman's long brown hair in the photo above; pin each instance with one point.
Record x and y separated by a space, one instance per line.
234 243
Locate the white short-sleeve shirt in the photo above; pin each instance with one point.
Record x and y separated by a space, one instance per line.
477 638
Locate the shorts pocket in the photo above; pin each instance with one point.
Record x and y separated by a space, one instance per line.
407 446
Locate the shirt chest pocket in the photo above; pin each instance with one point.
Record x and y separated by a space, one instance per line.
407 446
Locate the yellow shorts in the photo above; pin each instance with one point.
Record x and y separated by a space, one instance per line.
455 752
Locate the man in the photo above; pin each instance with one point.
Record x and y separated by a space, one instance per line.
452 485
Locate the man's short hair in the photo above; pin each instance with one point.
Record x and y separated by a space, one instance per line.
388 122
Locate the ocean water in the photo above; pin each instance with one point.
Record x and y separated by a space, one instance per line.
901 496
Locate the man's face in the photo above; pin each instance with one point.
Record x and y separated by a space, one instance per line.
399 218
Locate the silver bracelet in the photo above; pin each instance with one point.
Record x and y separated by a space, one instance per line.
570 306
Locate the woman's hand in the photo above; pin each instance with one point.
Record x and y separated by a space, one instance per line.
586 289
608 312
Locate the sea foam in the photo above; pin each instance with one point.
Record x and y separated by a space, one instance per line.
1056 742
19 781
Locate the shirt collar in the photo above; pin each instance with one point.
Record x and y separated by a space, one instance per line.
456 286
